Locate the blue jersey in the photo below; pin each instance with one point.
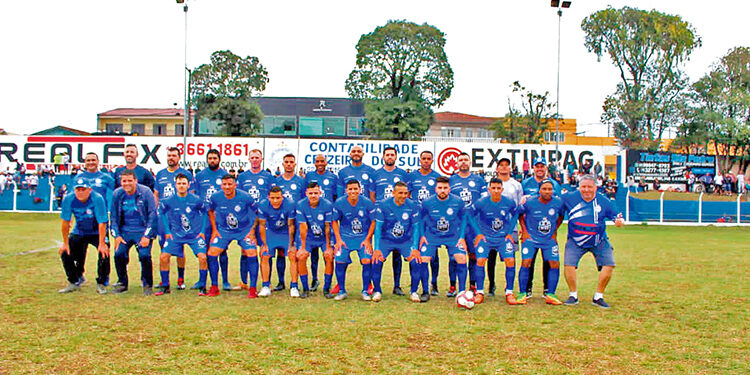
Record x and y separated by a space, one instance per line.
327 181
88 214
100 182
133 213
208 183
586 220
399 222
293 189
541 218
277 219
183 217
234 216
165 187
144 176
256 184
494 219
315 218
443 219
384 182
469 189
354 221
531 186
363 174
421 186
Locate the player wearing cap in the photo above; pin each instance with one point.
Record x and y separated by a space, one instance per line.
257 182
531 186
540 216
421 185
384 181
513 191
469 187
91 219
587 232
327 182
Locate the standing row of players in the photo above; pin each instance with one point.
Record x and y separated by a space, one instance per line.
361 209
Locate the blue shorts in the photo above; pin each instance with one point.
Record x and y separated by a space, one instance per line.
506 249
275 244
550 252
343 256
227 238
387 247
177 247
431 250
603 253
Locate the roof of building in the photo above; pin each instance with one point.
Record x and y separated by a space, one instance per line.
61 130
463 117
145 112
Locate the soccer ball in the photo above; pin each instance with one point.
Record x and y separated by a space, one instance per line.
465 300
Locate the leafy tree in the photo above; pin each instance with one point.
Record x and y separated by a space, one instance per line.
528 124
399 56
237 116
648 48
397 119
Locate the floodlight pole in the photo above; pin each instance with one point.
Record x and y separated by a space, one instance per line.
559 5
185 73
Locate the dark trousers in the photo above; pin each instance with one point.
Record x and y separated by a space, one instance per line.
74 263
122 257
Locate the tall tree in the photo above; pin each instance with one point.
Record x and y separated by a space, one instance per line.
528 124
648 48
399 55
397 119
236 116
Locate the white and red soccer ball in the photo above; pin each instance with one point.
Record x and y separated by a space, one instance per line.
465 300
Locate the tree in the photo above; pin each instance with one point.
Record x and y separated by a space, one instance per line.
397 119
237 116
400 55
648 48
528 124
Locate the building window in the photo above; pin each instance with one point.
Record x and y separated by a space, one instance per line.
179 129
137 129
160 129
279 125
114 128
484 133
316 126
334 126
550 137
356 126
469 133
446 132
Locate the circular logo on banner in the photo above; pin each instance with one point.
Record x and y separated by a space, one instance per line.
448 160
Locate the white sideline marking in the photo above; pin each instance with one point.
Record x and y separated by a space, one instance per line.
56 246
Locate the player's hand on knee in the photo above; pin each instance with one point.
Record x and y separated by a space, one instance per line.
368 247
302 254
328 255
118 241
422 241
478 238
168 237
462 244
377 257
64 249
460 258
415 255
509 238
144 241
103 249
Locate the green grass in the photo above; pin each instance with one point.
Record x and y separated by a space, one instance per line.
679 298
680 196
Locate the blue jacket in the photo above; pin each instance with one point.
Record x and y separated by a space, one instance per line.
144 200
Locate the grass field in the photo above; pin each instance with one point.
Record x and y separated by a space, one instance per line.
679 301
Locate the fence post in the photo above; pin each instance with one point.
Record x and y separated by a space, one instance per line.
51 192
627 206
15 194
739 196
661 207
700 208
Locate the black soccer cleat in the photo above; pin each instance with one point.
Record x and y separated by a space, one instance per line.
279 287
397 291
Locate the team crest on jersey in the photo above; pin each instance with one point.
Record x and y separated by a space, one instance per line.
98 182
443 225
545 226
320 217
185 223
388 193
472 183
449 211
254 192
551 212
497 224
88 211
326 182
168 191
423 193
260 181
280 223
232 221
398 230
365 176
188 210
217 182
465 195
237 208
356 226
201 242
317 231
405 216
430 182
293 186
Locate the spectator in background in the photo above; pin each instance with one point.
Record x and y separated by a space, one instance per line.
301 172
657 185
65 161
642 185
57 160
598 169
3 182
526 168
740 183
719 183
61 192
729 183
32 180
690 181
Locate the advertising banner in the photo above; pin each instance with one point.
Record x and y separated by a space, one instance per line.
669 168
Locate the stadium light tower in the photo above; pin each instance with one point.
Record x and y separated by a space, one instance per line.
559 5
185 73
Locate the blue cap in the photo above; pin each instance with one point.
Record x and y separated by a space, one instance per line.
540 160
80 182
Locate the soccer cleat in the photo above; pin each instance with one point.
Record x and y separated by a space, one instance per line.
81 281
340 297
552 299
226 286
163 289
600 302
252 293
377 296
202 291
478 298
335 289
147 291
370 289
304 294
522 299
240 286
491 293
294 292
473 288
70 288
528 294
119 288
424 297
571 301
397 291
101 289
265 292
414 297
511 299
451 292
366 296
212 292
181 284
198 285
279 287
434 290
315 285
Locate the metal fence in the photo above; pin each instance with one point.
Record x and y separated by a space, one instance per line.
686 212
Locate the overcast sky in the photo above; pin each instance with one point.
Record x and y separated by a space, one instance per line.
65 61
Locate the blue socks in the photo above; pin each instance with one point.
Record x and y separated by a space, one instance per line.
314 256
425 273
510 276
553 276
461 271
213 269
415 269
479 276
472 271
341 276
377 275
452 272
366 276
327 279
523 279
281 267
180 272
243 268
202 274
164 278
397 265
303 281
252 268
224 264
435 268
